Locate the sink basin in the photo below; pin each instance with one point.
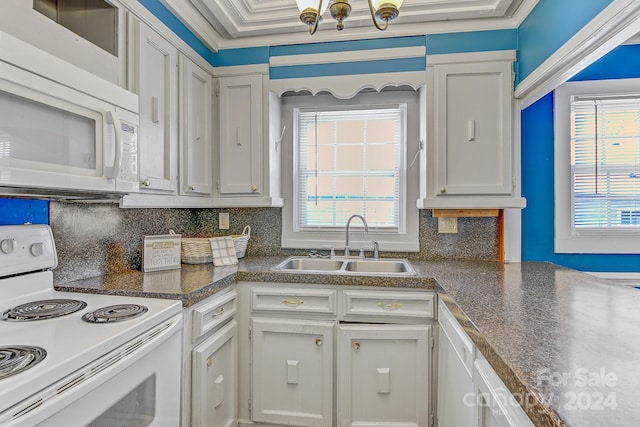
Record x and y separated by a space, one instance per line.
380 266
310 264
349 266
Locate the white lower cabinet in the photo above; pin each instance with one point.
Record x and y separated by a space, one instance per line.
470 393
292 372
210 363
331 356
455 404
214 372
383 375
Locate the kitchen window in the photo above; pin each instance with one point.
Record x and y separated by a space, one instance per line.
598 161
351 157
348 162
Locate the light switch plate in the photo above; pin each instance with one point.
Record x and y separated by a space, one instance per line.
223 220
447 225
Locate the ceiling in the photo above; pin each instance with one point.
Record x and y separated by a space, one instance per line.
246 22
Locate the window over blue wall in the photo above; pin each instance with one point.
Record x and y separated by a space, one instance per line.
537 172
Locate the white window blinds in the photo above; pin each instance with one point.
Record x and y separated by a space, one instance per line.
605 162
349 162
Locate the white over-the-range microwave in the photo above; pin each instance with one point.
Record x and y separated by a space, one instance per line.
63 130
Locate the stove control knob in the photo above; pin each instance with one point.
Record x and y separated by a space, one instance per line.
7 246
37 249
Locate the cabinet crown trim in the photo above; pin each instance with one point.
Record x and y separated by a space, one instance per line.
471 57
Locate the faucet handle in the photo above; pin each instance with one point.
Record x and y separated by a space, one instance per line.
332 252
376 249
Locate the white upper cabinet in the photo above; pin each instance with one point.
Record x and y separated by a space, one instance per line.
195 137
153 74
89 35
241 135
469 160
249 132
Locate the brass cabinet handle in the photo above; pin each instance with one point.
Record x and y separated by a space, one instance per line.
443 190
356 345
392 306
209 362
218 313
292 302
146 183
254 188
318 342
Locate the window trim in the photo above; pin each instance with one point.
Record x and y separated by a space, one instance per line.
587 241
406 240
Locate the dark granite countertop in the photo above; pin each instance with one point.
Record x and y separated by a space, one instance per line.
564 342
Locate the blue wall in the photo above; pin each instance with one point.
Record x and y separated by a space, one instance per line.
549 26
537 172
19 211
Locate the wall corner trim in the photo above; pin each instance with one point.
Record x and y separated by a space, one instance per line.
615 24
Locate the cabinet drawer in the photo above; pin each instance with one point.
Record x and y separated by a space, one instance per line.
388 304
213 314
318 301
462 344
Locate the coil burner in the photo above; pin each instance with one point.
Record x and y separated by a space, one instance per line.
115 313
17 358
44 309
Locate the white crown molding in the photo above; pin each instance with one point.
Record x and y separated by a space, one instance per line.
614 25
348 56
193 19
405 30
467 57
346 87
239 70
522 12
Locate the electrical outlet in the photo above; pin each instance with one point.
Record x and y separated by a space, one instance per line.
223 220
448 225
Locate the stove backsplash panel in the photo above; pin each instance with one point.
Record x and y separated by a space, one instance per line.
96 239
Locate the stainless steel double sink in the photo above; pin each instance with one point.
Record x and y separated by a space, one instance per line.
341 265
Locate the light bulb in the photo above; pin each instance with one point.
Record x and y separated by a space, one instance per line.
378 3
313 4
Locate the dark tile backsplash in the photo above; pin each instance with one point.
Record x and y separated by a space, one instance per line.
94 239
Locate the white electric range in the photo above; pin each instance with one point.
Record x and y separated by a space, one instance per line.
77 359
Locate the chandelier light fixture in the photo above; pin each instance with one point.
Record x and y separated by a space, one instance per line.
311 11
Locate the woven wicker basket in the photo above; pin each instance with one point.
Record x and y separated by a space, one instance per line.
240 241
197 250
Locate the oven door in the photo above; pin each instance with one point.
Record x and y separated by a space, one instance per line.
134 386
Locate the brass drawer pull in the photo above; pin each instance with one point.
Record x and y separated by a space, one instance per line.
318 342
292 302
209 362
356 345
218 313
392 306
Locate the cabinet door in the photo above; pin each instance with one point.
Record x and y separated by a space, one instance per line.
154 76
383 375
196 141
241 135
214 379
495 406
292 372
473 128
455 386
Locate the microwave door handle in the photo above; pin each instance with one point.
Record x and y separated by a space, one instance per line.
113 170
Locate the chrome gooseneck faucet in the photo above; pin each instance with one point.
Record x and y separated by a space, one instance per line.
366 230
